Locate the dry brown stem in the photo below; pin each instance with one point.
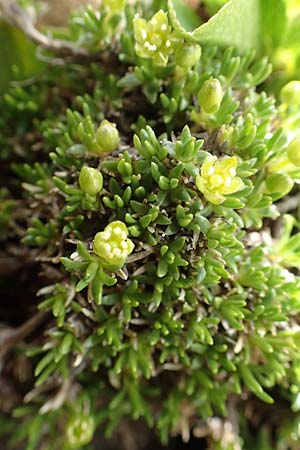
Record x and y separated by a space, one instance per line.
18 17
9 337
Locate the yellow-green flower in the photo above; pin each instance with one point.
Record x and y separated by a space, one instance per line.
154 39
112 244
218 179
114 6
80 430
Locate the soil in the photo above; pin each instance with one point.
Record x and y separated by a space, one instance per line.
57 11
136 436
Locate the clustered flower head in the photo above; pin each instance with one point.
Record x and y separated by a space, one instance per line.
80 430
154 39
112 244
218 179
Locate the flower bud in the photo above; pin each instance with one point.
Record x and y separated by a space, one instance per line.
279 183
225 134
290 93
112 244
80 430
293 151
210 96
107 137
188 55
90 180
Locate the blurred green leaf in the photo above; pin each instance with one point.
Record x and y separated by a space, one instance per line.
16 50
292 37
213 6
273 23
186 15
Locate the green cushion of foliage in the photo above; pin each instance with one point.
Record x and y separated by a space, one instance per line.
187 301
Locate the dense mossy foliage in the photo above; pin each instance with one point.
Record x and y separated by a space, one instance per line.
145 188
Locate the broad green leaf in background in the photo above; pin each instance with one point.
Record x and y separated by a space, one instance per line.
213 6
293 7
175 15
293 36
273 21
236 24
187 15
286 55
16 50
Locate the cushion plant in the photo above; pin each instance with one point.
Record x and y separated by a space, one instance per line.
147 182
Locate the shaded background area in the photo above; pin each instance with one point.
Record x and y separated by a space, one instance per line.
57 11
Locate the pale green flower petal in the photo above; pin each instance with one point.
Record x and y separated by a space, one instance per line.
214 197
218 179
227 166
208 168
236 184
155 39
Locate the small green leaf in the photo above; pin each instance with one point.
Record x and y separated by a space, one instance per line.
129 81
162 269
71 265
252 384
97 289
